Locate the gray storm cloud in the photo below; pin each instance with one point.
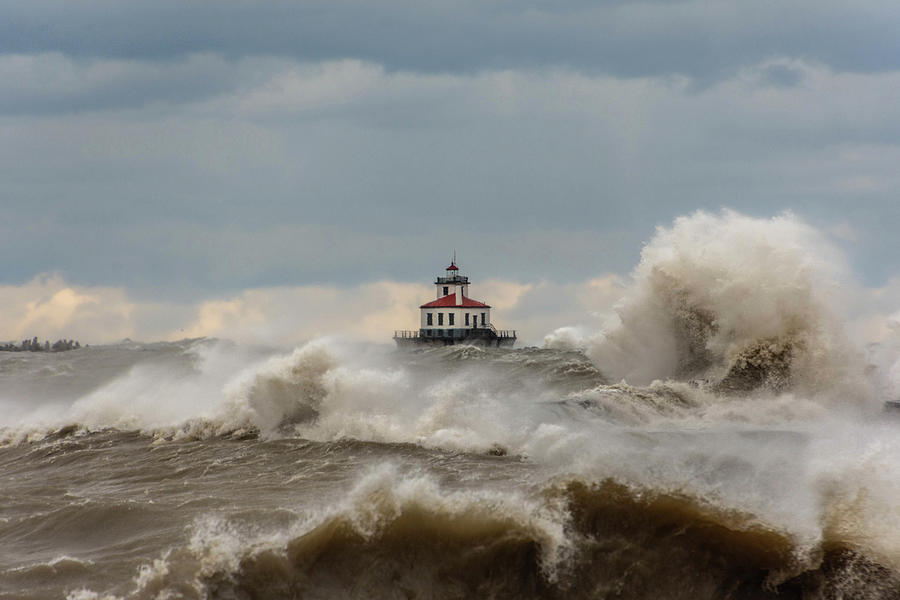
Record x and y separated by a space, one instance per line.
627 39
189 150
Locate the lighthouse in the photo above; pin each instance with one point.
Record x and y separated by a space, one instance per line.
455 318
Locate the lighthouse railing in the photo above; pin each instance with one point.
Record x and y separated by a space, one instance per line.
502 333
406 334
462 279
454 332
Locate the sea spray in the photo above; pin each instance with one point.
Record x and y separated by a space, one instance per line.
740 301
281 391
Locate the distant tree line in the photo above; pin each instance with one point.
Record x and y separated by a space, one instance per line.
33 345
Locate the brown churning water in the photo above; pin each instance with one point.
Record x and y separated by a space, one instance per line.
206 469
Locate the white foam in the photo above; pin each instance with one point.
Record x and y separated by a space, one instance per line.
809 460
85 594
712 287
566 338
380 496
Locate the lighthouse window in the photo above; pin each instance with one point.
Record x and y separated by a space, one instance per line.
446 290
482 319
467 319
451 319
440 318
429 317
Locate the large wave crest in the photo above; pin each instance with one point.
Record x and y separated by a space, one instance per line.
741 302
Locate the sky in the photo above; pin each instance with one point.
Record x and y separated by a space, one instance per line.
279 170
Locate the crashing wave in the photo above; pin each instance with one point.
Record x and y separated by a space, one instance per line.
741 302
405 533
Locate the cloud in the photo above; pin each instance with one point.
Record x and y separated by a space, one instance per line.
780 75
844 231
291 314
53 83
536 309
293 172
254 170
49 308
629 39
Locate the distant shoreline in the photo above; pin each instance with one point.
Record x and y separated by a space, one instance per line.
35 345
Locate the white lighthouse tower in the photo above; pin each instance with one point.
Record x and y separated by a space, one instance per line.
454 318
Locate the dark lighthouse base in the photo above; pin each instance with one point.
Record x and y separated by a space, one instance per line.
481 336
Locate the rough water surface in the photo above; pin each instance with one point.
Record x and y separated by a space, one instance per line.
723 440
165 471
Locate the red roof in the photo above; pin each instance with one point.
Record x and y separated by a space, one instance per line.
453 267
449 301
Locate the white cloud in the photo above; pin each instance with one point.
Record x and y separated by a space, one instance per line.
49 308
291 314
